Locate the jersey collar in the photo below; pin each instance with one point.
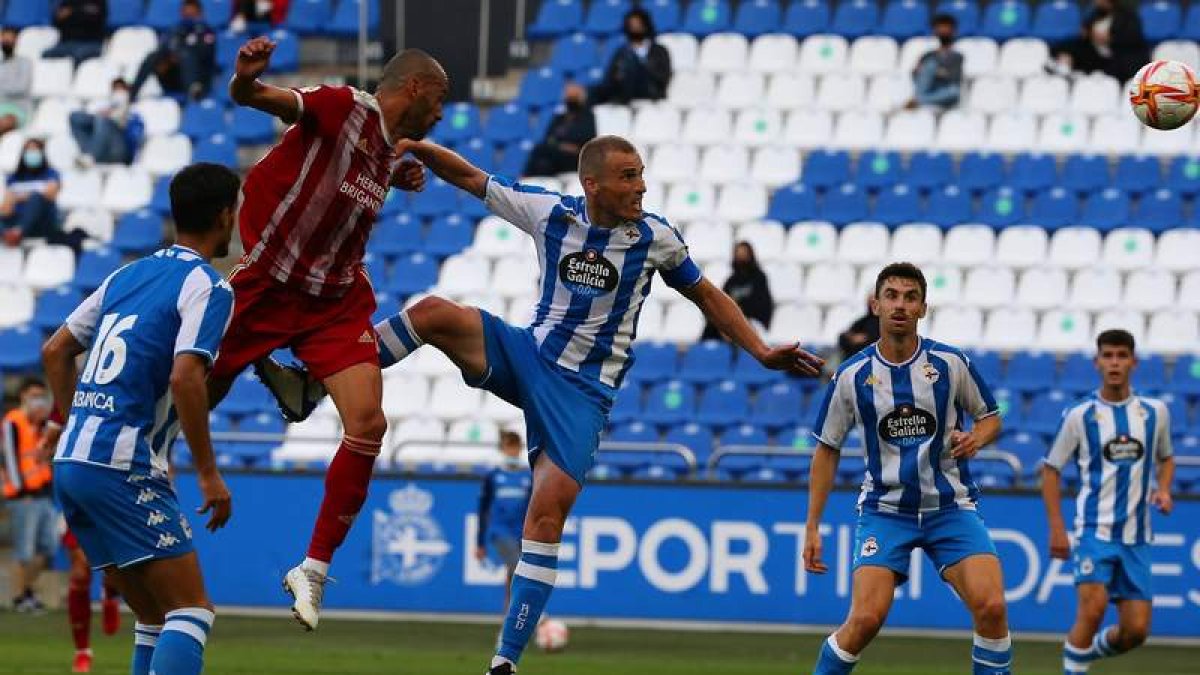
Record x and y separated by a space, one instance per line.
186 249
907 362
1117 404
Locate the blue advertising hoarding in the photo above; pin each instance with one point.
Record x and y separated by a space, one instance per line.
668 552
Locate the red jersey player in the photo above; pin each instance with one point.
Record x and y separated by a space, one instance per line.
308 208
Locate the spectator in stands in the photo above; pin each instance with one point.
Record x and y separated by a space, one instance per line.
25 475
748 287
248 13
568 131
100 132
28 208
938 76
640 69
81 25
1110 41
186 59
864 331
16 76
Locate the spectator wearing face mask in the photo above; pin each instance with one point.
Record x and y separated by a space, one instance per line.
1111 41
569 130
81 25
938 76
248 13
100 132
186 59
748 287
28 208
25 476
16 76
640 69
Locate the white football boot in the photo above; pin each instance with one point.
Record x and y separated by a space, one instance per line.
307 588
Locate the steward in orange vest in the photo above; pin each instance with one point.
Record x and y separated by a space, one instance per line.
24 464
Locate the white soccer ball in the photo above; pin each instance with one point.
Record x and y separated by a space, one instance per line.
1164 94
552 635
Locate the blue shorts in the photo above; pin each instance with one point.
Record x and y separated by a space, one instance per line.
1124 569
35 527
121 518
947 537
564 414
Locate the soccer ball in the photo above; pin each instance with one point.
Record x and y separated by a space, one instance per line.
552 635
1164 94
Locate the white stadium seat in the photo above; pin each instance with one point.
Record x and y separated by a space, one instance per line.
1009 328
1176 250
1063 133
793 322
657 123
840 92
12 261
496 238
683 49
683 323
889 92
161 116
830 283
961 130
612 120
742 201
16 305
873 55
451 399
1022 246
766 237
1064 331
80 189
858 130
863 244
162 155
129 46
52 77
837 319
811 242
1042 288
709 241
692 88
969 245
97 223
673 162
958 325
824 54
1174 142
34 40
1125 319
912 51
993 94
723 53
502 412
910 130
1043 94
981 55
1023 57
741 90
1012 131
691 201
1173 332
724 163
918 243
11 145
790 91
1150 290
945 285
48 266
1074 248
404 395
127 189
706 126
1189 291
786 281
773 53
804 129
93 78
1115 133
464 275
989 287
52 116
62 150
775 166
514 277
1129 248
1095 94
1186 51
1095 289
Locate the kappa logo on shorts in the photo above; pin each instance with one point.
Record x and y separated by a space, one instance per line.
869 548
167 540
185 526
146 496
156 518
367 338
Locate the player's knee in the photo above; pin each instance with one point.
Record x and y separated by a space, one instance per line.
1134 636
545 527
433 317
864 625
368 424
991 611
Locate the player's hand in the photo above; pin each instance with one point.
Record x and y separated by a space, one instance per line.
1162 501
480 553
1060 545
253 58
409 175
793 359
49 440
216 499
812 551
963 445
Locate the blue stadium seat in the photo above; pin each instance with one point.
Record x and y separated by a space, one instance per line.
20 349
1184 176
658 471
1001 207
903 19
741 464
878 169
541 87
217 12
670 403
94 267
375 266
395 203
555 18
345 18
479 152
654 361
1185 377
667 15
993 474
764 474
53 306
1190 30
512 163
898 205
981 171
218 149
1138 173
747 370
1045 411
757 17
309 17
123 13
138 232
161 15
1057 20
1030 372
633 432
948 207
1151 373
602 472
286 57
778 406
1054 208
1161 20
507 124
449 235
251 126
26 13
799 437
203 118
604 17
707 361
705 17
1005 19
160 200
460 123
1160 210
1105 210
807 17
1085 173
228 44
543 119
929 170
695 437
439 198
855 18
793 204
843 205
1078 374
247 396
1031 172
966 12
988 365
400 234
1187 477
627 407
826 168
413 274
794 467
574 53
744 434
1011 406
851 469
1028 447
1177 405
723 404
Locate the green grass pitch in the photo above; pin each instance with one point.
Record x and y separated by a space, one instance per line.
41 645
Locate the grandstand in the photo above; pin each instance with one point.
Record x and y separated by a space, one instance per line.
1042 211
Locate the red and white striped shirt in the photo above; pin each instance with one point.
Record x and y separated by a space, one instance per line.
310 204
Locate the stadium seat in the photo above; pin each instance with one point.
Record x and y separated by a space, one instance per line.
344 22
51 77
506 124
1106 210
574 53
666 14
1054 208
903 19
743 434
633 432
48 266
777 406
1006 19
874 55
863 244
966 12
1065 330
449 235
555 18
1001 207
705 17
26 13
540 87
250 126
1095 289
1042 288
695 437
1161 19
949 207
723 404
1174 250
53 306
20 349
202 119
757 17
166 154
1160 210
1056 21
803 18
980 171
806 129
604 17
1030 372
1034 171
217 149
824 54
1136 174
1128 249
919 243
740 90
898 205
707 361
413 274
1115 133
1184 176
855 18
309 17
929 170
80 189
670 403
1085 173
1012 131
844 204
1095 94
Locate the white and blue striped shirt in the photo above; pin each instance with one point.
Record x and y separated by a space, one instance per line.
1115 446
136 323
907 412
593 279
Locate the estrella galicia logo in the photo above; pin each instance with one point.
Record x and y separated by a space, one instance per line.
1123 448
407 545
907 426
588 273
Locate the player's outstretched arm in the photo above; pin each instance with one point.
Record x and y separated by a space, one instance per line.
58 360
820 484
447 165
1060 545
245 88
967 444
190 394
724 313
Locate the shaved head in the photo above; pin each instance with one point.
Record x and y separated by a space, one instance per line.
409 64
595 151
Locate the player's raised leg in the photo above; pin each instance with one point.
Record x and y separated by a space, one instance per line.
979 581
1087 642
871 600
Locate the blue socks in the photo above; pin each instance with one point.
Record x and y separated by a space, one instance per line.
992 656
833 659
180 648
1076 660
144 639
397 339
531 586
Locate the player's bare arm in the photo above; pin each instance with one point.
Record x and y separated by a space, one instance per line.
967 444
820 484
190 394
58 359
1160 498
246 89
447 165
724 313
1060 545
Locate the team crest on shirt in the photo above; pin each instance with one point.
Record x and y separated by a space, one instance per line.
869 548
1086 566
908 426
588 273
632 234
407 545
1124 449
930 373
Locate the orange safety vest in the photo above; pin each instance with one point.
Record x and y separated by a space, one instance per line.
25 471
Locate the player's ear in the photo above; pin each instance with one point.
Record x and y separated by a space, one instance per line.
873 303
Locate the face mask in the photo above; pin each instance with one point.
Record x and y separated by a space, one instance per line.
33 159
37 404
120 97
574 105
635 35
512 462
946 40
8 50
